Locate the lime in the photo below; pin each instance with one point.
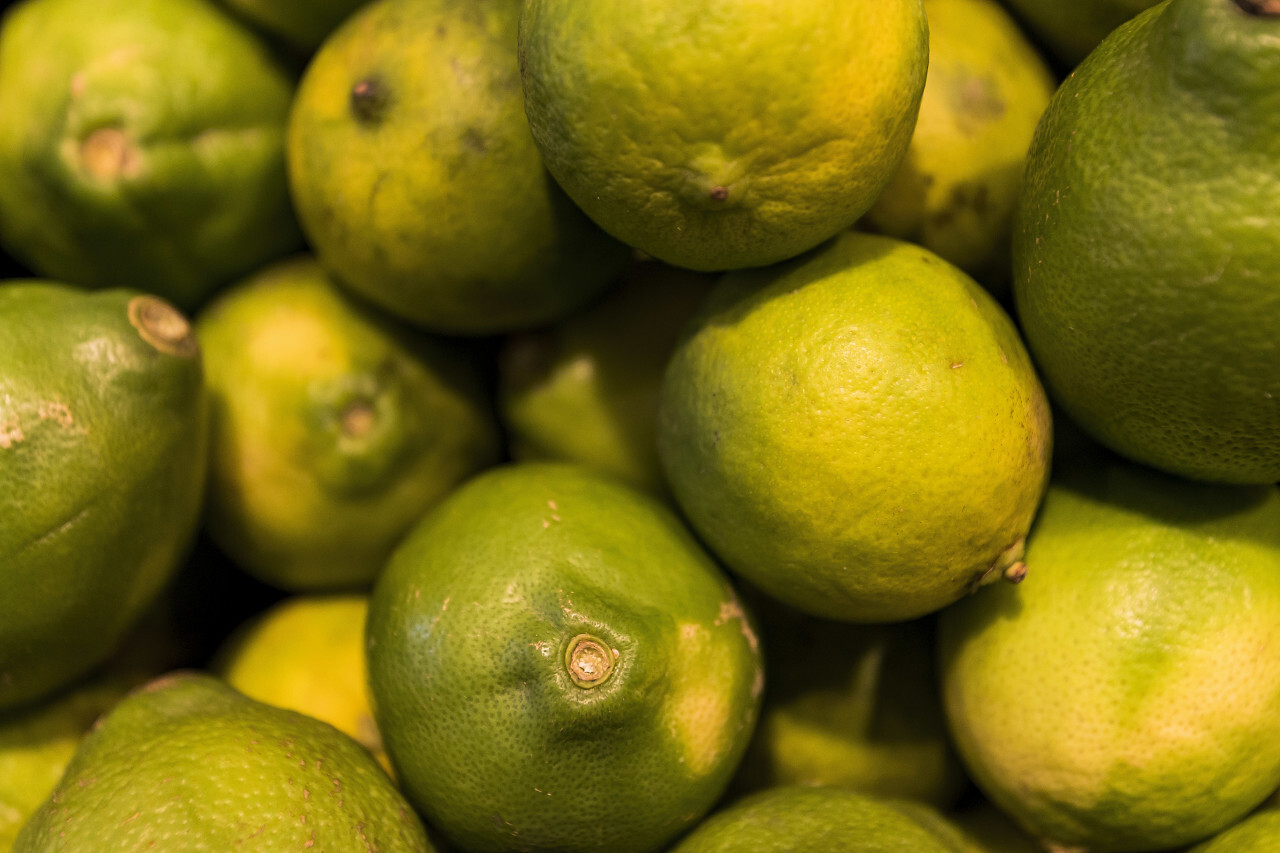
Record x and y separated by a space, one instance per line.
858 432
333 427
416 179
557 665
723 133
1127 695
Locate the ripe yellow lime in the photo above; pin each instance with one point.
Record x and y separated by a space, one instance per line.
723 133
586 390
1147 241
557 665
956 190
417 182
800 819
306 654
333 427
1127 695
859 431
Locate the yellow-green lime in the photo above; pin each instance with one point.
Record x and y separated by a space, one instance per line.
103 446
956 190
859 431
306 653
1259 833
1147 241
142 145
1126 696
586 390
852 705
333 427
416 179
557 665
802 819
187 763
720 134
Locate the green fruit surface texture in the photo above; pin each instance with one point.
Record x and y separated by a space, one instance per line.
1259 833
858 432
304 24
187 763
1147 242
1126 697
103 438
663 120
557 665
417 181
800 819
142 145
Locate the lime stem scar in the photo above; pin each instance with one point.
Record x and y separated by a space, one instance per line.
590 661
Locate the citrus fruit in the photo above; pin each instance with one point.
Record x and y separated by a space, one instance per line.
956 190
801 819
723 133
1147 242
586 389
333 427
1126 697
858 432
103 437
557 665
142 146
1072 30
851 705
306 653
1259 833
38 741
416 179
186 762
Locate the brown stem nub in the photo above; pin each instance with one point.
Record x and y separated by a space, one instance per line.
1016 572
1262 8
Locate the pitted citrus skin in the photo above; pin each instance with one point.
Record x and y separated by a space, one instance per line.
663 121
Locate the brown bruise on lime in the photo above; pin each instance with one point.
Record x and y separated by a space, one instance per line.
368 100
163 326
589 661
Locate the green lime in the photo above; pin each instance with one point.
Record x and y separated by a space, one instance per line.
800 819
1147 241
142 145
187 763
557 665
103 442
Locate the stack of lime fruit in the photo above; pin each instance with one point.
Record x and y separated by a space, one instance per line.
613 427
